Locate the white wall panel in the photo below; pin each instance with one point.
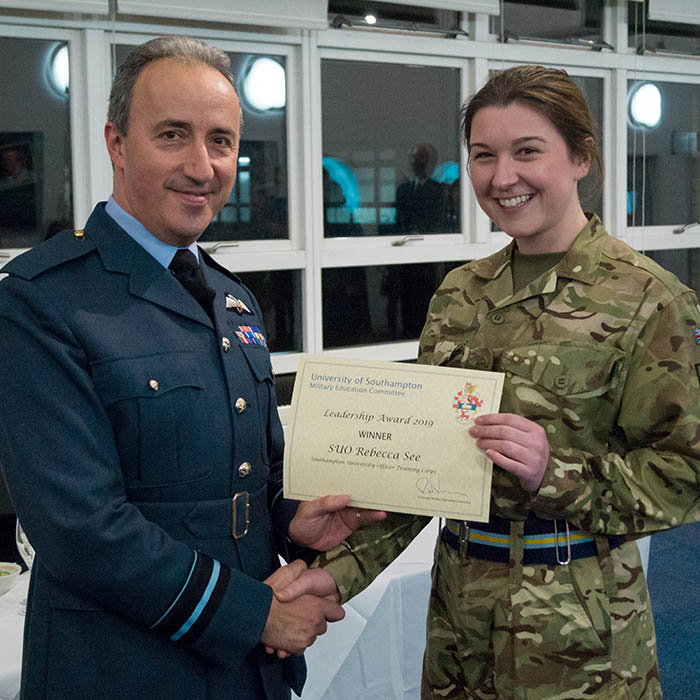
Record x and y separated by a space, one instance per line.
87 6
687 11
299 14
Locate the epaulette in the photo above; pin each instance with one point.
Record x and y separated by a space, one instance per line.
59 249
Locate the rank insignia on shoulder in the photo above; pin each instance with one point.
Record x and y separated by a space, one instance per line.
237 304
250 335
697 335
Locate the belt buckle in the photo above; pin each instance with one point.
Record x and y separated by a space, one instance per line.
234 531
568 544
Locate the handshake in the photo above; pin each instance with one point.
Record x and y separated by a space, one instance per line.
305 600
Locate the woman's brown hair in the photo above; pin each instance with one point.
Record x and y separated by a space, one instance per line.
552 93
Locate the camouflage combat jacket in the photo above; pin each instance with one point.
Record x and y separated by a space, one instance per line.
603 352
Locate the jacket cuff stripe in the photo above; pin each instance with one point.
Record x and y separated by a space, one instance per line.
199 625
195 605
172 605
216 568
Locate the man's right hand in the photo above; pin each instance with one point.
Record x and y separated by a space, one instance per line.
294 625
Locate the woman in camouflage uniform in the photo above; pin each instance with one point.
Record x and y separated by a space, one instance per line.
598 438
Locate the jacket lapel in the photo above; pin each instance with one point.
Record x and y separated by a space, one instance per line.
147 277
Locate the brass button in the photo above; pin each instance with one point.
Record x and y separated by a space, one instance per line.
498 318
241 404
153 384
79 234
225 344
244 469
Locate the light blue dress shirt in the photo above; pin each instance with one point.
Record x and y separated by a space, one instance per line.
161 251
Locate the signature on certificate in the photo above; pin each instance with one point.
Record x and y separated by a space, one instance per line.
431 484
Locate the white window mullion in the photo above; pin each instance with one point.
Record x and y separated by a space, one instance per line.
313 195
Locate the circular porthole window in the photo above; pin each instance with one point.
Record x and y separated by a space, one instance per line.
644 105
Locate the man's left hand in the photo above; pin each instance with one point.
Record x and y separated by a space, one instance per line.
326 522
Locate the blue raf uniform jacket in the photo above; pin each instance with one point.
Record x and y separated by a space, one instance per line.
134 436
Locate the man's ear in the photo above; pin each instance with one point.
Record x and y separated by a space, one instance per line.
115 144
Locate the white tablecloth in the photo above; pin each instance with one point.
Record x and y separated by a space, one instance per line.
11 630
376 652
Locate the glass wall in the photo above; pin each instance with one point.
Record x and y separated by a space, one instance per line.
390 149
663 169
35 141
558 21
378 304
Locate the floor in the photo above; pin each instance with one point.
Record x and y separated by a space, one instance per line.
674 586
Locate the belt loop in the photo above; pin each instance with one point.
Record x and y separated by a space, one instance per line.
464 539
568 544
234 530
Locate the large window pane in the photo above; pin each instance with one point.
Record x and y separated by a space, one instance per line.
384 303
662 160
279 294
390 149
342 13
559 21
35 142
683 262
662 37
257 207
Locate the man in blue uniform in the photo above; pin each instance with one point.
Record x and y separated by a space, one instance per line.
139 434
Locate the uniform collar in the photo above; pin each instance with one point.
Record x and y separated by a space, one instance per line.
580 263
161 251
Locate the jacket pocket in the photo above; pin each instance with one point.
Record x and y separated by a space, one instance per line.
156 405
577 384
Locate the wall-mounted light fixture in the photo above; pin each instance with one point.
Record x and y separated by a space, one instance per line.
644 105
58 70
370 16
264 85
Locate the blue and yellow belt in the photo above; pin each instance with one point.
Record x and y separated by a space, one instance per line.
545 541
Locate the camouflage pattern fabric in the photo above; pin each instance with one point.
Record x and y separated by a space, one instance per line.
602 352
545 636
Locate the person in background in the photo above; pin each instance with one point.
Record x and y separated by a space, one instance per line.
598 439
139 433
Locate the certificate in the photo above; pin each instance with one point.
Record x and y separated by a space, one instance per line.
394 436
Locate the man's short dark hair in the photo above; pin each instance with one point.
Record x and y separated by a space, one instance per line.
179 48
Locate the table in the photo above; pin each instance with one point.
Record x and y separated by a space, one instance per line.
376 652
11 631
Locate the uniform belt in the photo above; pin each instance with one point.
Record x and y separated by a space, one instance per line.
232 517
545 541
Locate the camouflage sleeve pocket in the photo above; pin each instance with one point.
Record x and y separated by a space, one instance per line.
566 370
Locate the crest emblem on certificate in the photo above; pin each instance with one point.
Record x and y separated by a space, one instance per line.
466 402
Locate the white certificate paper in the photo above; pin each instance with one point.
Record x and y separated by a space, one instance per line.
394 436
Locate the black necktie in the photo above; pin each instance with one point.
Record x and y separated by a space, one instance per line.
189 274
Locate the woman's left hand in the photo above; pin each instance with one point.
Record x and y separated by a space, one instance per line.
515 444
